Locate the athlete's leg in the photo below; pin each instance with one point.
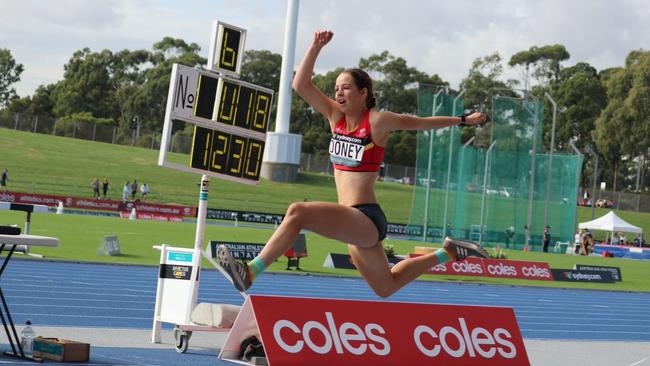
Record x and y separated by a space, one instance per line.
383 280
331 220
373 264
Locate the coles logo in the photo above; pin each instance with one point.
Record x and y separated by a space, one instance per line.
347 336
466 267
461 341
501 269
301 331
535 271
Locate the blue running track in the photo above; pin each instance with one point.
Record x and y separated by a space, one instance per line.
117 296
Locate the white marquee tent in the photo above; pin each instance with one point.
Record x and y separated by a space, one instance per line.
612 223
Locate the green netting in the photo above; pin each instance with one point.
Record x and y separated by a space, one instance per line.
494 189
433 168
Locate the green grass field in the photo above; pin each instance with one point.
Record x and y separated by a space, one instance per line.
63 166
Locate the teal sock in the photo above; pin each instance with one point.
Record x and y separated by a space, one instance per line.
443 256
256 267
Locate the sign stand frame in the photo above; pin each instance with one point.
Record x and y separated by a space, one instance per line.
167 310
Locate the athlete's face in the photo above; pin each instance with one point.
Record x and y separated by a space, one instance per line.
347 94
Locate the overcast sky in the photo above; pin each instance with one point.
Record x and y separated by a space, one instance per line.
436 37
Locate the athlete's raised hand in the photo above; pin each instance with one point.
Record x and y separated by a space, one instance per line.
322 37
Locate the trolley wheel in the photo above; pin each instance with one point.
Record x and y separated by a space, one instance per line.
182 343
182 338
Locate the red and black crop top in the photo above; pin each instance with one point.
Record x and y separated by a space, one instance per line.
355 151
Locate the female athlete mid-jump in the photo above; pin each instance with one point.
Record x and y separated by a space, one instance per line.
359 136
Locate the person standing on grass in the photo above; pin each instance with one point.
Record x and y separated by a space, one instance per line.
144 191
547 239
95 185
126 191
4 179
134 189
105 186
359 136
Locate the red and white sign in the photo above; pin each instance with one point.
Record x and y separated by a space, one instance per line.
494 268
308 331
93 204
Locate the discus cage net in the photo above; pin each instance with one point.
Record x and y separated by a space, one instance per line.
491 193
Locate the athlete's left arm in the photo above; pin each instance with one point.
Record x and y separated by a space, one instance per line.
388 121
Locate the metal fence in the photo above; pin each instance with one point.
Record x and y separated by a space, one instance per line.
81 130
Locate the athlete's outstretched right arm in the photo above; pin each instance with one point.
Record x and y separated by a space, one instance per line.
302 80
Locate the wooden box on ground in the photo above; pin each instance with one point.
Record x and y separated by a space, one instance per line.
62 350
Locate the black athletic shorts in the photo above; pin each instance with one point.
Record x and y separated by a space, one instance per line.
374 212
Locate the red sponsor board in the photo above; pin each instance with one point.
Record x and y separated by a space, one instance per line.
307 331
93 204
495 268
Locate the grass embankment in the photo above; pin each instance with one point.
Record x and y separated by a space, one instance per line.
63 166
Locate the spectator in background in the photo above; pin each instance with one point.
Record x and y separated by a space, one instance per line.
587 243
105 186
527 236
134 189
144 190
547 239
126 191
95 185
510 234
3 181
637 241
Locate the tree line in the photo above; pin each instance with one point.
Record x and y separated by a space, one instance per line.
608 110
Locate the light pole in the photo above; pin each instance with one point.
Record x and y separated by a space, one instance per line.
486 175
578 172
427 195
449 161
593 189
550 159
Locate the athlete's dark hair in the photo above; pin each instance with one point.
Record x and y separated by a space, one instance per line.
363 80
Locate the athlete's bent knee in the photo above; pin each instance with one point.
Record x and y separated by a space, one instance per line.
383 291
296 212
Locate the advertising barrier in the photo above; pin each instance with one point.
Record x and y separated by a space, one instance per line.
93 204
240 251
309 331
572 275
344 261
502 268
615 271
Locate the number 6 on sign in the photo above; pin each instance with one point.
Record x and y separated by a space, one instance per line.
226 48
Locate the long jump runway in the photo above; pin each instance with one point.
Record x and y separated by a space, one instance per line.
111 306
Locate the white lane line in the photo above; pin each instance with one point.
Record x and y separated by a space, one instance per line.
600 306
639 362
